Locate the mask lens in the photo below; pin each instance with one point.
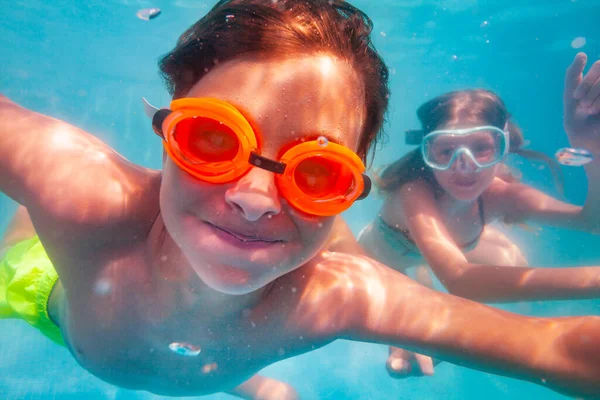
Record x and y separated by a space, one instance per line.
485 146
203 140
442 150
323 179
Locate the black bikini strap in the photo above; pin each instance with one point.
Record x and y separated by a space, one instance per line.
481 211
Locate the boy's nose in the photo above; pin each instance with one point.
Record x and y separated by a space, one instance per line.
255 195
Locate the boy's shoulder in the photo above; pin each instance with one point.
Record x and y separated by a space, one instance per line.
325 289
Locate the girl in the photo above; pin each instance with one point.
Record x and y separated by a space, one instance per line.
441 196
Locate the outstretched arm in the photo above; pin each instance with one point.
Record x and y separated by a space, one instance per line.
73 185
486 283
377 304
20 228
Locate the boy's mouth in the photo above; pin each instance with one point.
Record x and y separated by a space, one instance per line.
245 238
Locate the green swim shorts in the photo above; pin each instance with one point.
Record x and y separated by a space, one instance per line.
26 281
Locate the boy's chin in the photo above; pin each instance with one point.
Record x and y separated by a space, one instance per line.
236 290
233 282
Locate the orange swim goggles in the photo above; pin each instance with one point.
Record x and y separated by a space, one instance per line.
211 140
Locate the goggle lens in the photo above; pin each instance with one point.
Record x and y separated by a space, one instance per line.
323 178
204 140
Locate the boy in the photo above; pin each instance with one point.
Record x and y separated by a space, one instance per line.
189 280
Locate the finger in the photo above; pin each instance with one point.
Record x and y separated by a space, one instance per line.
588 81
398 367
425 364
574 73
399 353
591 95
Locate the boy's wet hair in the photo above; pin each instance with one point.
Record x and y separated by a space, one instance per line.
283 28
479 106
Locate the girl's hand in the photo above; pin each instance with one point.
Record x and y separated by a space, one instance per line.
581 100
404 364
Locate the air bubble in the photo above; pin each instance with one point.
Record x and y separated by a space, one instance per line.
578 42
184 349
322 141
573 157
148 13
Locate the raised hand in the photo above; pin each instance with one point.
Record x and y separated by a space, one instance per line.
581 100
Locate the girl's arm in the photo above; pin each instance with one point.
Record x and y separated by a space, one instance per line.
581 101
486 283
517 202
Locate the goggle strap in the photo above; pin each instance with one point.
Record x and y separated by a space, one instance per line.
157 121
266 163
367 187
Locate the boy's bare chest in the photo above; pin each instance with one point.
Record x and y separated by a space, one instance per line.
131 332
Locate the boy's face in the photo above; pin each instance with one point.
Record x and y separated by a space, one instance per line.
240 236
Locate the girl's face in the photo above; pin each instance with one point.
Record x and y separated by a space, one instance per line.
239 236
464 180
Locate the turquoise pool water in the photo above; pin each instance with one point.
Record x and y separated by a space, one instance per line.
90 62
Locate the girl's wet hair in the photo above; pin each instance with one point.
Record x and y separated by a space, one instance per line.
285 28
475 105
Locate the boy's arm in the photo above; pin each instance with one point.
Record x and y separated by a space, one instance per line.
69 180
20 228
369 302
